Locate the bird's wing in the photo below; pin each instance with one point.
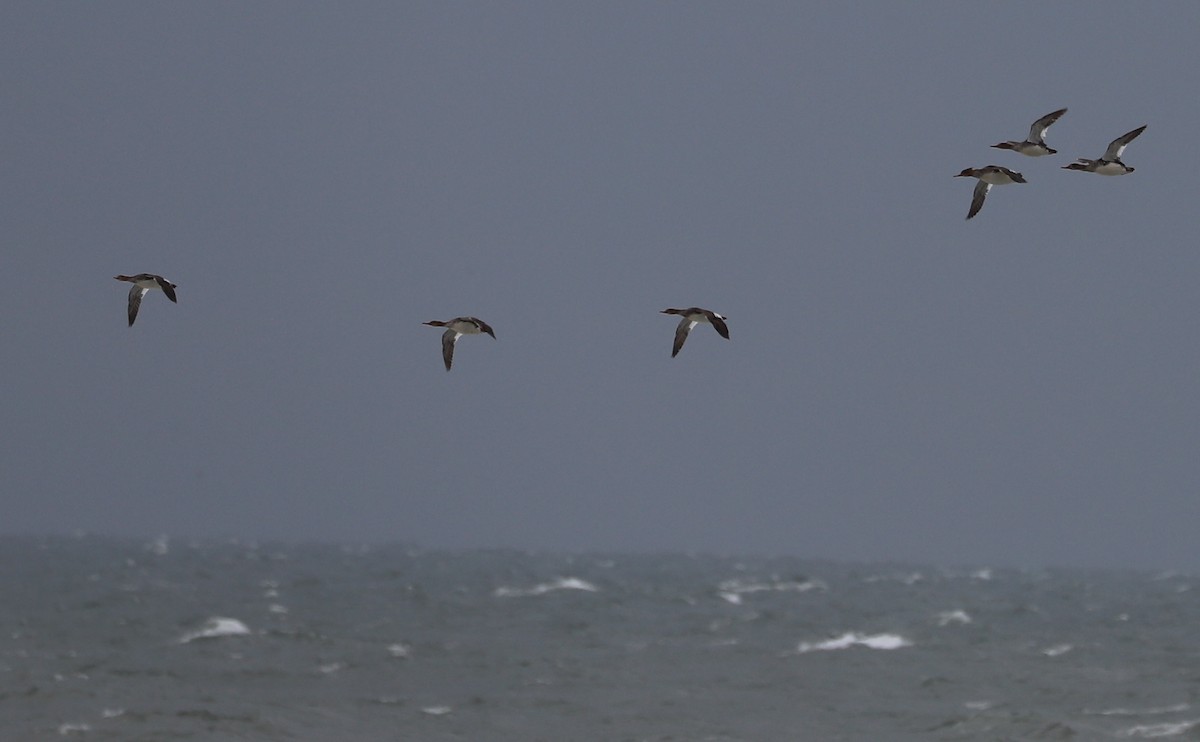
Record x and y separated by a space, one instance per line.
135 300
718 323
981 191
1118 145
485 327
167 287
681 333
1037 132
448 338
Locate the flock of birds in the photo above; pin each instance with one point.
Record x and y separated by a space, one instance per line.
988 176
1035 146
455 328
691 317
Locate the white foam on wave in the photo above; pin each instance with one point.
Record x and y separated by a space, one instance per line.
436 710
1152 711
948 617
1168 729
854 639
399 650
732 590
69 728
215 628
982 574
1057 650
563 583
910 578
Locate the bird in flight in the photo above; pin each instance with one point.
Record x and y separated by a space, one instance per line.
988 176
1035 145
455 329
1110 163
143 282
691 317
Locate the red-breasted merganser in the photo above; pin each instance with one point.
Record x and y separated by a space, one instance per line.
143 282
1035 145
691 317
1110 163
456 328
988 177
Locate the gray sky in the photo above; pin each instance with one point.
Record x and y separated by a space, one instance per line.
320 179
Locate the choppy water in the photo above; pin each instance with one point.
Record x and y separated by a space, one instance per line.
119 640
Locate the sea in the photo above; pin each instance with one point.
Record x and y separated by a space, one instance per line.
168 639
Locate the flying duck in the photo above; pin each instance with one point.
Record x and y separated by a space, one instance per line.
143 282
692 316
1035 145
1110 163
988 176
455 329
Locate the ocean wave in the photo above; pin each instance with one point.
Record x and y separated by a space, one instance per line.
400 650
738 587
436 710
1168 729
948 617
853 639
215 628
909 578
1152 711
563 583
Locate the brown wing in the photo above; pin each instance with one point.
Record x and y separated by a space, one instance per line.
1117 146
135 300
448 338
719 325
485 327
167 287
681 333
1037 132
981 191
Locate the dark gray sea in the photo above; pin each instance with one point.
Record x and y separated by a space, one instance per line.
106 639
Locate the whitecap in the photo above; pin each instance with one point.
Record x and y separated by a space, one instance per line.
743 587
563 583
436 710
982 574
1168 729
1152 711
978 705
216 627
948 617
111 713
853 639
732 598
1057 649
911 578
399 651
68 728
277 608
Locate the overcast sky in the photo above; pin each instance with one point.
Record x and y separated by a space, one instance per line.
319 179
